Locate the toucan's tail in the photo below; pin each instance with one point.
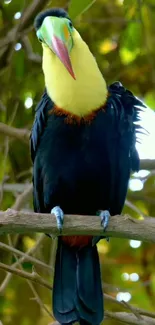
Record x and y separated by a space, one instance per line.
77 291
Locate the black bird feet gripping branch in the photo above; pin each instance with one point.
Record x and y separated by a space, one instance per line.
59 217
105 216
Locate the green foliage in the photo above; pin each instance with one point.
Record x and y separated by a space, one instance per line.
78 7
122 39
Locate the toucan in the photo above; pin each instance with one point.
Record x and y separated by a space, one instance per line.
83 149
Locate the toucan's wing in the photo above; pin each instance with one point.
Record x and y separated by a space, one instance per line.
128 108
124 158
39 124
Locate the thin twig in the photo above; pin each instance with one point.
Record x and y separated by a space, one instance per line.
2 107
36 296
39 301
129 318
134 208
31 251
136 309
6 151
34 277
20 134
29 51
24 173
23 198
135 312
13 35
13 250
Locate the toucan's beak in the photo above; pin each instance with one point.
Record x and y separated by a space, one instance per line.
61 51
55 33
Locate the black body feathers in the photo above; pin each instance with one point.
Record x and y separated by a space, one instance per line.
83 168
77 285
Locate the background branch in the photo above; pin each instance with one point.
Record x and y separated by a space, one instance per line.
30 13
26 256
129 318
147 164
23 198
34 277
29 51
7 43
121 316
20 134
136 309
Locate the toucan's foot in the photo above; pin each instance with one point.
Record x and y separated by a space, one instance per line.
59 216
48 235
104 215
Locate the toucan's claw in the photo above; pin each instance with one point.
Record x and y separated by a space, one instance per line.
104 215
59 216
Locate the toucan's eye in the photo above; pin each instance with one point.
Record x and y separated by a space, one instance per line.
40 39
70 24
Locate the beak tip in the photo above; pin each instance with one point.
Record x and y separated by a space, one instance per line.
73 75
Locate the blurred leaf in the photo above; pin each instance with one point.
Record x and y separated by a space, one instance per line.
128 56
132 37
150 99
19 64
107 46
77 7
130 7
28 242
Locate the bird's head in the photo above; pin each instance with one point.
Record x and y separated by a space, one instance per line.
55 30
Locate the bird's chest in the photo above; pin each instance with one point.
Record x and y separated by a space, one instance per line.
75 151
75 168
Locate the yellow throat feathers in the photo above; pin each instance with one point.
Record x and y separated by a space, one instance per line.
83 95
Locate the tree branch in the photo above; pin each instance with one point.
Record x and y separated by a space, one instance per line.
147 164
136 309
29 51
38 300
16 187
120 316
129 318
34 277
26 256
36 296
7 43
20 134
31 251
30 13
23 198
123 226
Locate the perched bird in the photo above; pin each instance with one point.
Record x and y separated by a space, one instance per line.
83 150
